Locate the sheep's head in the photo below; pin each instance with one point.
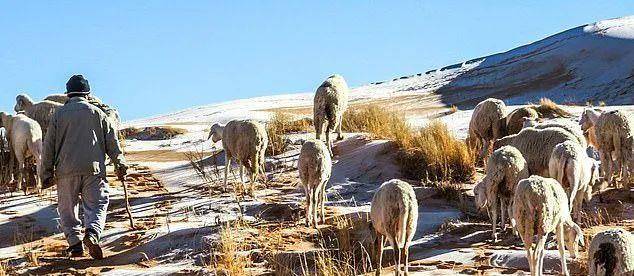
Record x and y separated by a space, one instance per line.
22 102
529 122
480 195
215 133
588 118
596 182
574 238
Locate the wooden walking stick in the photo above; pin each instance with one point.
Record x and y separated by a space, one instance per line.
127 202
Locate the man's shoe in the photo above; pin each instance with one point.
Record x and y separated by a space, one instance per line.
91 239
76 250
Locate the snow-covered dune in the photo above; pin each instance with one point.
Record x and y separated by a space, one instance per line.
591 62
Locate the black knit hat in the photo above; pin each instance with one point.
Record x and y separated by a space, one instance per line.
77 84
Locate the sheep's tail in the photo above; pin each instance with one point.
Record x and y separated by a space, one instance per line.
404 227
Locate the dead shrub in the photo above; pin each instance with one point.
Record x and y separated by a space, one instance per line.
434 154
227 256
376 121
281 124
347 248
431 153
549 109
152 133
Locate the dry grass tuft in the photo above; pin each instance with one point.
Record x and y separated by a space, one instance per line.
347 252
151 133
453 109
601 216
434 154
227 257
549 109
431 153
376 121
281 124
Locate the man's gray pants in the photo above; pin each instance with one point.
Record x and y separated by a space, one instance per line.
93 190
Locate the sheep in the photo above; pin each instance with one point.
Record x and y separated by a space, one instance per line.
394 214
41 112
245 141
330 102
573 129
540 207
505 167
111 113
58 98
587 121
314 166
25 139
487 124
515 119
536 145
611 253
615 139
63 98
576 172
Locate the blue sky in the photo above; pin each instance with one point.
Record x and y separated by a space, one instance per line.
152 57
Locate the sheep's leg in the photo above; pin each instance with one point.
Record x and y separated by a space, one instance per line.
227 165
560 246
315 201
485 150
322 201
319 124
541 243
328 142
339 131
527 239
308 204
380 257
406 257
530 255
573 197
503 215
255 163
242 174
606 160
494 219
397 254
21 175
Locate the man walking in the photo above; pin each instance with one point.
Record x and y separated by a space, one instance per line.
78 138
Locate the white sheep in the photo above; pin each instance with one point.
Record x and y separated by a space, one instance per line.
506 166
111 113
244 141
63 98
394 214
58 98
515 119
331 101
567 126
576 172
487 124
615 142
536 145
611 253
25 138
314 166
41 112
540 207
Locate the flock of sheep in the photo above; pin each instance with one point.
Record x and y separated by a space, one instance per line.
25 130
537 173
541 173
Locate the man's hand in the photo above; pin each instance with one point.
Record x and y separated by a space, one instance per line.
122 171
47 183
